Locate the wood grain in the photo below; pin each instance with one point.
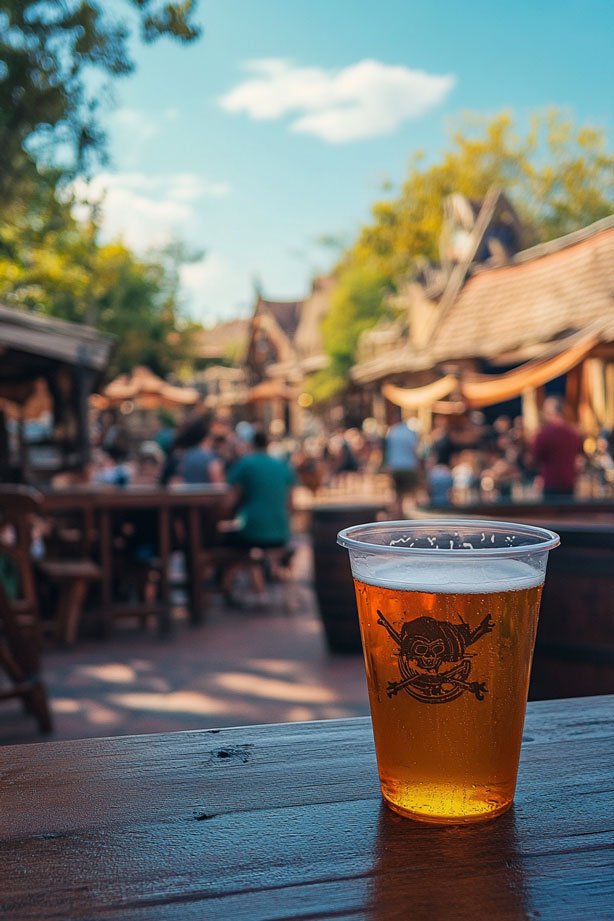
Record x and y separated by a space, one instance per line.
276 822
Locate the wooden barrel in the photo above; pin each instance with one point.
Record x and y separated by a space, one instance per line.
333 584
574 651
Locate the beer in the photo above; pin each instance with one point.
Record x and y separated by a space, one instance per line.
448 652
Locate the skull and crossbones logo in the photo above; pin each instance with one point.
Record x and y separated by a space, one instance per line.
433 659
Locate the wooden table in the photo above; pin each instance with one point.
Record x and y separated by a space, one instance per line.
277 822
102 505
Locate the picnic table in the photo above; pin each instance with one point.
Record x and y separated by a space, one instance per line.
286 821
99 507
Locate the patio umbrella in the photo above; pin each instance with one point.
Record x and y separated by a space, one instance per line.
270 390
147 391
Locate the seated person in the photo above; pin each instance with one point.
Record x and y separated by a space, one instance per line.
199 464
261 493
149 461
111 468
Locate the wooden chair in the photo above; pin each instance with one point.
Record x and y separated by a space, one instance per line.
68 566
20 627
73 579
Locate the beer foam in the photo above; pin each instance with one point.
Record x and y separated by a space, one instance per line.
458 577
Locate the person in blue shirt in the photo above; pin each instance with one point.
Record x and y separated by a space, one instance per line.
199 463
402 460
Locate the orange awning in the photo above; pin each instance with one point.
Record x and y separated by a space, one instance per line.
485 390
479 390
414 398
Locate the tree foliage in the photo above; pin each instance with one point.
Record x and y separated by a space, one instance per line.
358 300
53 263
49 52
558 176
53 54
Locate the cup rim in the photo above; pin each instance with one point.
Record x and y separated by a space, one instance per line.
549 539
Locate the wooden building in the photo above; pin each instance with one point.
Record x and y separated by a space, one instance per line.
221 379
284 348
498 326
48 369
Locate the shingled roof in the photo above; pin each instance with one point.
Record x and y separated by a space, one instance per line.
542 294
286 314
509 313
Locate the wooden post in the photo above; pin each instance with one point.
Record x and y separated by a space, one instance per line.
530 411
609 395
597 393
588 422
573 387
84 378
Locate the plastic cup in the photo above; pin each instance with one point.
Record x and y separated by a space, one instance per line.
448 614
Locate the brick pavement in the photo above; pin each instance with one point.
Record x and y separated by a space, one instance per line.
239 668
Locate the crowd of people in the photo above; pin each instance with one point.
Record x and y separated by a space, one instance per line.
462 459
206 450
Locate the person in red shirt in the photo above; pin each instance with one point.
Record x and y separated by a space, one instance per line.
556 449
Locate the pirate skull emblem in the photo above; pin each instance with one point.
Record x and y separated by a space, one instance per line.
433 658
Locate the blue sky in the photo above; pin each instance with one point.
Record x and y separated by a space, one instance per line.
281 124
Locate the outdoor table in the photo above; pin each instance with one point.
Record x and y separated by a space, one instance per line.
286 821
103 503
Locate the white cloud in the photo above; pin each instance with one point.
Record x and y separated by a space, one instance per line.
136 122
189 186
146 210
363 100
215 289
133 132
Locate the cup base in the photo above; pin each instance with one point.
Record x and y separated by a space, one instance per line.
471 819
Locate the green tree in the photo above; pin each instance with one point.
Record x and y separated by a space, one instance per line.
49 100
52 263
559 177
358 300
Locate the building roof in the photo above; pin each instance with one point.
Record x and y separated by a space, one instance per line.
512 312
29 333
285 313
542 294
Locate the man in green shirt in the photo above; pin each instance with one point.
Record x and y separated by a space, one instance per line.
262 486
261 494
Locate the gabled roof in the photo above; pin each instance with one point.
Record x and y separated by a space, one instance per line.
542 294
495 200
285 313
518 310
